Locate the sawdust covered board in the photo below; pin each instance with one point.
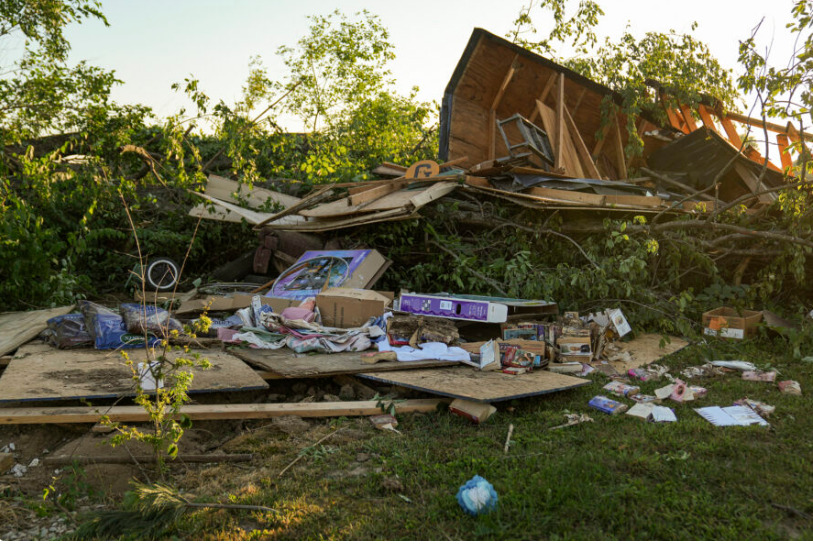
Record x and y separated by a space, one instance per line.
17 328
470 384
645 349
287 364
40 374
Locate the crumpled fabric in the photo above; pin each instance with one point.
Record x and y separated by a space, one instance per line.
255 338
430 351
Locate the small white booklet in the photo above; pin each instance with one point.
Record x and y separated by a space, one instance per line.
731 416
662 413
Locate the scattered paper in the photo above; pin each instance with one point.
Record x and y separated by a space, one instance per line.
731 416
662 414
641 409
735 365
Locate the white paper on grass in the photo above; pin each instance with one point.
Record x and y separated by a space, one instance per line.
641 409
731 416
662 414
735 365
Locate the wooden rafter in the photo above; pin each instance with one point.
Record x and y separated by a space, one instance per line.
784 154
543 95
559 148
492 133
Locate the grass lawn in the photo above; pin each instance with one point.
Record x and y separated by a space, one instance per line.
616 478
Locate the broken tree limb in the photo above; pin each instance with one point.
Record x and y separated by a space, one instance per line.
679 185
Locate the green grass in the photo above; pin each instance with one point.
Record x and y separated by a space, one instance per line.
616 478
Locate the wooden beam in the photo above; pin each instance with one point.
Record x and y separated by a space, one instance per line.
705 116
543 95
605 133
92 414
620 158
688 117
731 131
492 133
754 122
559 147
674 120
581 149
783 143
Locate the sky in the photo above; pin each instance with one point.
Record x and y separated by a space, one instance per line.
152 44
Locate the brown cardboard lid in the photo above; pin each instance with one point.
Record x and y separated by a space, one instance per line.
357 294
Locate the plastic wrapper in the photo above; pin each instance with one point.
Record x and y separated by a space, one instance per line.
108 328
68 331
477 496
148 319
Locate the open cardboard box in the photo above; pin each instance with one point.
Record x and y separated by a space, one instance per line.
727 322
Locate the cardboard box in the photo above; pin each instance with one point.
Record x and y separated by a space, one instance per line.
317 270
476 412
346 308
727 322
453 307
233 303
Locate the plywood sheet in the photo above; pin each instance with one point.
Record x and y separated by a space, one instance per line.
17 328
287 364
643 350
471 384
44 373
400 200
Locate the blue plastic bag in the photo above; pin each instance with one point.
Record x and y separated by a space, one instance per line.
108 328
477 496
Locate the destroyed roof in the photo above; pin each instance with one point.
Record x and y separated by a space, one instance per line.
704 154
496 79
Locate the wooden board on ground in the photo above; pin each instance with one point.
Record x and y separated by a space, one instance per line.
284 363
17 328
44 374
91 414
471 384
643 350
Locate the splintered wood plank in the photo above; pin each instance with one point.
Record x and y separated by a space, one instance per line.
339 208
375 193
51 374
284 363
17 328
471 384
580 148
225 189
204 412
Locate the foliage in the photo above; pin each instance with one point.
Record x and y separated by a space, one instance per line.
784 91
681 64
68 486
340 61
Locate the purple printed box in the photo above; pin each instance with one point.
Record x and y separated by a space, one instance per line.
316 271
453 308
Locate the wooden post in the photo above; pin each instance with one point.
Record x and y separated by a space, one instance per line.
559 150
